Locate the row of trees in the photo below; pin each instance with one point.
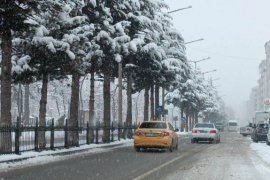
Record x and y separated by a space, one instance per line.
55 39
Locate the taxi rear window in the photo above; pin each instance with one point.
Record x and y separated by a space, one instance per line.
151 125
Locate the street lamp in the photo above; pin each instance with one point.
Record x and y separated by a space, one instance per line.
188 7
203 73
195 62
201 39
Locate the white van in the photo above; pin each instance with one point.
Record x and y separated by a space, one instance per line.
232 126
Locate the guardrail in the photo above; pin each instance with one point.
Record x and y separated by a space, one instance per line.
26 138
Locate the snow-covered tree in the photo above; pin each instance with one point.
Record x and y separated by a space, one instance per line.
13 16
56 49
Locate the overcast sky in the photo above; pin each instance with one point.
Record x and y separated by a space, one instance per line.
235 32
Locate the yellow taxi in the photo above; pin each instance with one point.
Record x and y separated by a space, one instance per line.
155 134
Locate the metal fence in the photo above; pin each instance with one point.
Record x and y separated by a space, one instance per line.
26 138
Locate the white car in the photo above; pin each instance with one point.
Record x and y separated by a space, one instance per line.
205 132
246 130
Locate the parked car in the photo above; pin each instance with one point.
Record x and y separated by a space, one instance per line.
259 132
246 130
268 137
205 132
155 134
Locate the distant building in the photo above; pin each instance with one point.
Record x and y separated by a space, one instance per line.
262 90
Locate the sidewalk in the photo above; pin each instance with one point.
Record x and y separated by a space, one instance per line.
10 158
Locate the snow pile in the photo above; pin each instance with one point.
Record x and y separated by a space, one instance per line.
262 150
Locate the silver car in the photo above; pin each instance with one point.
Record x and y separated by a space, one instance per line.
205 132
246 130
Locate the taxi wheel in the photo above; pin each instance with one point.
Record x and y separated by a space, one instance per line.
171 147
176 146
137 149
267 142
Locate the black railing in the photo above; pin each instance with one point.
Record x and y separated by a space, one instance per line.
26 138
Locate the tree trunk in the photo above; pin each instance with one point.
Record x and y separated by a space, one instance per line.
187 121
20 103
91 106
64 103
152 114
6 47
107 108
181 116
157 115
42 112
163 103
57 106
196 117
26 104
193 121
120 101
73 133
129 106
81 108
146 104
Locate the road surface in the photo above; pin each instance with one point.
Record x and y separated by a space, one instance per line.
231 159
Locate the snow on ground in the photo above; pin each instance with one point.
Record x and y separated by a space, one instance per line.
263 164
33 158
263 150
183 133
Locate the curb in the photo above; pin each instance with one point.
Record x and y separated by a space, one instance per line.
75 151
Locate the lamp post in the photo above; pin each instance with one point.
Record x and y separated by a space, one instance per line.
188 7
195 62
201 39
203 73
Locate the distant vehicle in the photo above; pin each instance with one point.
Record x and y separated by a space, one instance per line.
205 132
259 132
232 126
155 134
219 126
261 117
246 130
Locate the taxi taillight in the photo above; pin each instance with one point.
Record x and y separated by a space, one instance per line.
165 133
139 133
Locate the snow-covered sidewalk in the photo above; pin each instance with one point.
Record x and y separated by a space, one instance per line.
31 158
263 150
262 164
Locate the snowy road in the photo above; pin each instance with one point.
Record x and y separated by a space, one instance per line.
231 159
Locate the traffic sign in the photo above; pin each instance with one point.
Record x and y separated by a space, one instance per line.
159 109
